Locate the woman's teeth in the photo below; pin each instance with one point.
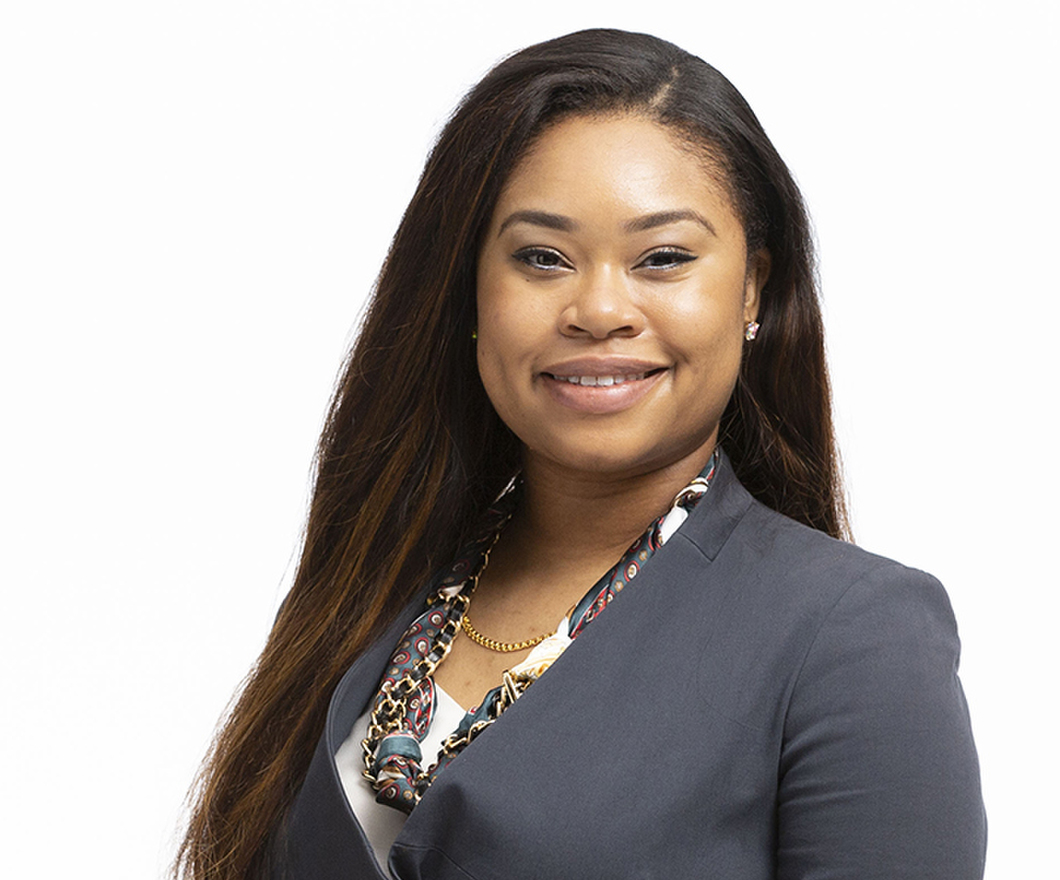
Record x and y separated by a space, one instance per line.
599 380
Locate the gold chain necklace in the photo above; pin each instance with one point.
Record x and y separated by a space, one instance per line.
493 644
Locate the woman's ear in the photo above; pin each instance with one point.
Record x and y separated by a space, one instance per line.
758 266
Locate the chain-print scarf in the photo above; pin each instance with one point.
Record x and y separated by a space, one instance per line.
393 759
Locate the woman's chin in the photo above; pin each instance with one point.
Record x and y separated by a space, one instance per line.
616 459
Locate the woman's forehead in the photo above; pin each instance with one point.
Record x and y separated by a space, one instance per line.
628 165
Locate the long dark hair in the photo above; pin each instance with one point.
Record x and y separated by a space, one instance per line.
413 451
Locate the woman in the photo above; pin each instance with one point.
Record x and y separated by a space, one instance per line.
591 389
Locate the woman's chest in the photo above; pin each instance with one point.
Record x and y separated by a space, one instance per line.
649 749
623 784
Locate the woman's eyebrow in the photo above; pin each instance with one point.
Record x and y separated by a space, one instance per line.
638 224
664 218
539 218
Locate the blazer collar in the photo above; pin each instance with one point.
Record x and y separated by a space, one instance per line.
718 512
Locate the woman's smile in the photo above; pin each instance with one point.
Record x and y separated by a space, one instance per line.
600 386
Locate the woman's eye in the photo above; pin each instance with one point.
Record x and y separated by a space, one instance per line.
666 259
541 258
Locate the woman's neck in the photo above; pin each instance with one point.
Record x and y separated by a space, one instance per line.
575 514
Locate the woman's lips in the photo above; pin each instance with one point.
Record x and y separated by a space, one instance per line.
603 392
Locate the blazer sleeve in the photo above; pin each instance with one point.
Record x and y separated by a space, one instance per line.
879 776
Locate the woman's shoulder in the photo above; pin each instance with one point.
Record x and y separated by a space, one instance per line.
790 568
843 594
794 592
798 556
730 518
875 728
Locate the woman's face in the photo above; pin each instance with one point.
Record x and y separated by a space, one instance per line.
614 287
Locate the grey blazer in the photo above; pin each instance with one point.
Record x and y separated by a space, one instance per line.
763 703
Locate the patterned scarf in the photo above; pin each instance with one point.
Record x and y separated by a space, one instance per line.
395 765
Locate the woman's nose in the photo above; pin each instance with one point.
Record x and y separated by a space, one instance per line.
601 304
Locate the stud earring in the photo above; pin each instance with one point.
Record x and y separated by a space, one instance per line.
751 330
474 334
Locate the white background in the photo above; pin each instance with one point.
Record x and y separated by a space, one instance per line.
194 200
